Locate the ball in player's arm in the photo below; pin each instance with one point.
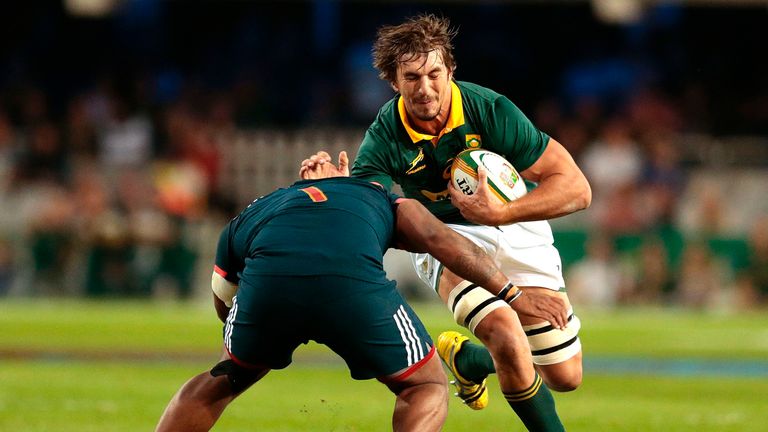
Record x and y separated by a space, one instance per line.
255 346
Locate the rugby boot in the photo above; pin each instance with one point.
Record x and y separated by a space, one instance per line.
474 395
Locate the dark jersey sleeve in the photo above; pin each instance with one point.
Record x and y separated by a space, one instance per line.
226 264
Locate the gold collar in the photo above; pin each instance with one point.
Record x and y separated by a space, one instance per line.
455 118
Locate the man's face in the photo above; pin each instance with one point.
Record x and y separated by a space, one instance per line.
424 84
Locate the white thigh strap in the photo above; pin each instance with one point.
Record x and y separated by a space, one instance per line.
471 303
550 345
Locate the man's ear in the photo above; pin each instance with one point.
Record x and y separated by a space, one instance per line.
394 86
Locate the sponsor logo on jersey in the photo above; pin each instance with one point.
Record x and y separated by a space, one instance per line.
436 196
415 167
473 141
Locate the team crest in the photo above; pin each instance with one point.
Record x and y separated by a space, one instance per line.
473 141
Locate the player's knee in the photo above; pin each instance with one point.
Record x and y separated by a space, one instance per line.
498 333
432 375
428 377
422 406
564 381
437 391
238 377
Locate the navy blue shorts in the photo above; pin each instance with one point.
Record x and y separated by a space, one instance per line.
368 324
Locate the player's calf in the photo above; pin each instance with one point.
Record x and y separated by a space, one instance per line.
535 406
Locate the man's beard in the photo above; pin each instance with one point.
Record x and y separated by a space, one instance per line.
427 116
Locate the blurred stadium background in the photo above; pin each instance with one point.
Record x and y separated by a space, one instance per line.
131 130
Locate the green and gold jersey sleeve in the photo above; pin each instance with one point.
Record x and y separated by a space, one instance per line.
501 126
373 162
518 139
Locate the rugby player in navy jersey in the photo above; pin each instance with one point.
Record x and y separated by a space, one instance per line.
306 263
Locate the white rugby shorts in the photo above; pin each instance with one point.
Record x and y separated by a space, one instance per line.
523 251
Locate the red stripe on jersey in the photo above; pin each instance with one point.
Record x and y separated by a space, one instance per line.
315 194
408 372
220 271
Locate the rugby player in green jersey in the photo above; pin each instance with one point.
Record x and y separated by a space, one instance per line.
412 142
306 263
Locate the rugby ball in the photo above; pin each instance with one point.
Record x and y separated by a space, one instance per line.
503 179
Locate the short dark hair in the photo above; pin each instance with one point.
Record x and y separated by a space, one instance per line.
418 35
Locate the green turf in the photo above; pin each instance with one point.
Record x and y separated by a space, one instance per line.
670 333
84 366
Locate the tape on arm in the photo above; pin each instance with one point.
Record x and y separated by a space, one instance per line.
224 289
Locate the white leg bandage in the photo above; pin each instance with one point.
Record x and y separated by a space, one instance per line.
471 303
223 288
550 345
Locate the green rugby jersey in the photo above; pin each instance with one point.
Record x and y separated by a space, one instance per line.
392 151
336 226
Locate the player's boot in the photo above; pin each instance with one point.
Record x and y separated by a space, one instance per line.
474 395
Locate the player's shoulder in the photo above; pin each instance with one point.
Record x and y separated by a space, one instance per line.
476 93
484 102
337 183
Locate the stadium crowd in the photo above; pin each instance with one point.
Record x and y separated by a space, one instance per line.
111 182
114 199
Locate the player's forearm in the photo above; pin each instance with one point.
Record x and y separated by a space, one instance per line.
562 188
420 231
468 261
557 195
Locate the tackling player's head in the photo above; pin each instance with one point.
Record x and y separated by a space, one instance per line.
405 42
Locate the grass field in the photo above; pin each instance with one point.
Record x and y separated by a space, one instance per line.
112 366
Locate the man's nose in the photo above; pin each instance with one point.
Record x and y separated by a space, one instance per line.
423 85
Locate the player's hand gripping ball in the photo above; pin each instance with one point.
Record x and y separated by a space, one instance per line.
503 179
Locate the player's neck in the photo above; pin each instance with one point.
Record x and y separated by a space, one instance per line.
431 127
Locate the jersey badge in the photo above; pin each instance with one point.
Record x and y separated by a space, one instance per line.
315 194
473 141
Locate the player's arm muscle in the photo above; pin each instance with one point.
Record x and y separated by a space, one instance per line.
418 230
562 188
